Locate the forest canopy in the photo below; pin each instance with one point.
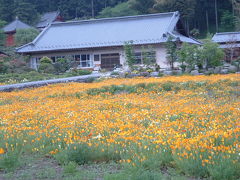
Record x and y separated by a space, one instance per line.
198 16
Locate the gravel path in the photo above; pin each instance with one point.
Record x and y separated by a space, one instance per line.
12 87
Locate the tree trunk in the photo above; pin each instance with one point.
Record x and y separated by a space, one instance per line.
216 14
92 8
207 21
231 55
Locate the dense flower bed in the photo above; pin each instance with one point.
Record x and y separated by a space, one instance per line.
188 122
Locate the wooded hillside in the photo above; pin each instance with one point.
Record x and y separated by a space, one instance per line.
199 16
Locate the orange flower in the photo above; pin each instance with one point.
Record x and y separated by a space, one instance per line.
2 151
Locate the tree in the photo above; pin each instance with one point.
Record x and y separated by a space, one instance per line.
2 34
148 55
122 9
26 12
24 36
212 55
6 10
189 55
228 22
185 7
129 53
142 6
2 38
236 13
171 47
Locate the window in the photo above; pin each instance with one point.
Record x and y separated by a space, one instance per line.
38 61
151 57
97 57
77 58
85 61
53 59
138 58
145 57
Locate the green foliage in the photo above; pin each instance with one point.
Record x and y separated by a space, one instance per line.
228 22
2 23
212 55
168 86
129 53
79 72
135 174
45 60
224 169
70 168
13 64
9 161
46 68
3 66
142 6
61 65
84 154
28 76
149 56
189 55
193 11
2 34
171 47
24 36
2 38
26 11
122 9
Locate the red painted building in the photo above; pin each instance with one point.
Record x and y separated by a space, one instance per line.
10 31
46 20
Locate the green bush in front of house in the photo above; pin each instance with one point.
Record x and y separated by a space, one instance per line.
62 65
46 66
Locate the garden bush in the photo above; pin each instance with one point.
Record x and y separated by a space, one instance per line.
61 65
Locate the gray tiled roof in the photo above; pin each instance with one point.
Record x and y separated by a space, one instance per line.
226 37
47 19
15 25
144 29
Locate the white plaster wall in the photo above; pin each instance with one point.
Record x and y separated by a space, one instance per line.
161 55
160 50
91 52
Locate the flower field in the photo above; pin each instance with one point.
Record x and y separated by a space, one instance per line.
189 123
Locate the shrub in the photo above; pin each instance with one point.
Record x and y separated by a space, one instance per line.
46 68
46 65
62 65
45 60
168 86
4 66
79 72
189 55
212 55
